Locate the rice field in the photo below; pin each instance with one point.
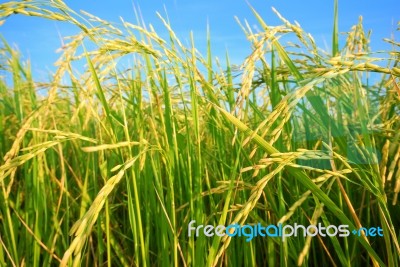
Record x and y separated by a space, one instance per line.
135 135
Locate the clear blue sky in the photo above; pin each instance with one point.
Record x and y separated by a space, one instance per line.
38 39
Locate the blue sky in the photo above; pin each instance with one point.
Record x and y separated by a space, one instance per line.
38 39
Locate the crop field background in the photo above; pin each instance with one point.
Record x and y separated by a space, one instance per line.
135 135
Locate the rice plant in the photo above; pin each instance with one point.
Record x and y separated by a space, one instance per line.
134 136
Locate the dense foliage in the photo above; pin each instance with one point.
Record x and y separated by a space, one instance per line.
134 136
